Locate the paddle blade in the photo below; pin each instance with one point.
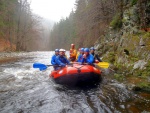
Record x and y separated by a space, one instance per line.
103 64
42 69
40 66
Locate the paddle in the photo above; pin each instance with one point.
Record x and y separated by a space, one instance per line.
103 64
100 64
44 67
41 66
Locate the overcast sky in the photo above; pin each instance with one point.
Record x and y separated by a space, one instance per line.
52 9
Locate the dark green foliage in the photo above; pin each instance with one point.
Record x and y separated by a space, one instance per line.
144 86
116 22
133 2
119 77
63 33
85 25
110 57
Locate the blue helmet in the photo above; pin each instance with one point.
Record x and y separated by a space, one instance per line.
86 50
82 49
92 48
56 50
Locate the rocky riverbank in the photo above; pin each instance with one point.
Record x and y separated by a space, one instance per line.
132 82
130 62
127 48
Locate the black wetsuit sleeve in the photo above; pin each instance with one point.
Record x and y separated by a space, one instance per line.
96 56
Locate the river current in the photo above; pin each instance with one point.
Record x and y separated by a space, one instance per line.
24 89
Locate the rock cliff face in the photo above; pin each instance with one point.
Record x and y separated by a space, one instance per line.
128 48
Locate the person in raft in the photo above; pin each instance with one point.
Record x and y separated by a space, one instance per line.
61 60
78 53
96 57
73 53
87 57
53 60
80 57
64 53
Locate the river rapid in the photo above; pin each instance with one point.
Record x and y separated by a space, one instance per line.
24 89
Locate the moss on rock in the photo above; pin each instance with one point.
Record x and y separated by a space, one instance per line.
116 22
144 86
119 77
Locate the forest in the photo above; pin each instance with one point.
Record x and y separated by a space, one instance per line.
22 30
19 27
92 19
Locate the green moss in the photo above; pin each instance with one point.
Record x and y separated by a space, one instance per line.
133 2
130 42
142 73
145 86
2 23
119 77
124 20
133 59
116 22
111 57
146 72
146 35
135 39
119 66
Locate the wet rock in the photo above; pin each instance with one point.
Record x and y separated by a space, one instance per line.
130 17
141 43
148 79
130 86
122 106
139 64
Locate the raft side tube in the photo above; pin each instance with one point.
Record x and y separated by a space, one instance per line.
77 79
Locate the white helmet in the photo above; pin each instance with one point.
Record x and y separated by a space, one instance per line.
64 50
61 50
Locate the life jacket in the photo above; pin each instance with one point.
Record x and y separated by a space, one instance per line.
78 53
71 50
73 53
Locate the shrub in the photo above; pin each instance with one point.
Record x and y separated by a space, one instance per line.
116 22
133 2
